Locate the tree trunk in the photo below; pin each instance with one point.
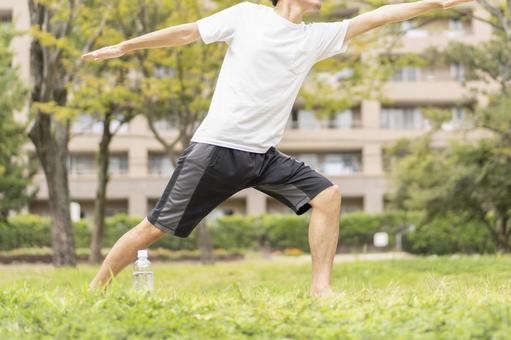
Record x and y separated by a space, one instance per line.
504 233
50 135
204 243
264 246
50 138
99 204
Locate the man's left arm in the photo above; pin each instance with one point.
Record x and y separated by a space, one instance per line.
395 13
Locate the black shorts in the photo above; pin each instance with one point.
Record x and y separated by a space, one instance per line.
207 174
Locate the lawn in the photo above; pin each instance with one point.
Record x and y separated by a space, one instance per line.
424 298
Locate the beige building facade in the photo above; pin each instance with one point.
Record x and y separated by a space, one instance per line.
348 149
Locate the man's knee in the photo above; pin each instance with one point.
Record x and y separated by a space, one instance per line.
149 230
328 199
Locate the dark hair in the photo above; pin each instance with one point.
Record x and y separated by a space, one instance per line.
274 2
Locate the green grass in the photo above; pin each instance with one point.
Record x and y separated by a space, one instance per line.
424 298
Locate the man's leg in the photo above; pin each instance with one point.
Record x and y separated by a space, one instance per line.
199 183
323 236
293 183
125 250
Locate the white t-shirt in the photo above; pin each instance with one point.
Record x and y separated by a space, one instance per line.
264 67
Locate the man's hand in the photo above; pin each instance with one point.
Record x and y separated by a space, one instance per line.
107 52
451 3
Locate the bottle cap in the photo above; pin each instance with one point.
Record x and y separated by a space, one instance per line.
142 253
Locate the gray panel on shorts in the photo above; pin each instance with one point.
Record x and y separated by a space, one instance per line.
288 192
194 166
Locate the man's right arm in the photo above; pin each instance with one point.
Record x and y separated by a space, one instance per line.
178 35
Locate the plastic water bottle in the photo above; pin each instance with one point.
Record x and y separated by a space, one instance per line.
142 273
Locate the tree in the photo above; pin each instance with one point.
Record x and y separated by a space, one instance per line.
109 93
15 173
60 33
469 177
106 94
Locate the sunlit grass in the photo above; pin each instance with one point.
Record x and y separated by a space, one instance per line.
425 298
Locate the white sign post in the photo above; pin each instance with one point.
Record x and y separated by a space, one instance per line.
75 211
381 239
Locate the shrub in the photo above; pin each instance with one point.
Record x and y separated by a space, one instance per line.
25 231
116 226
450 235
286 231
82 232
278 231
358 228
235 232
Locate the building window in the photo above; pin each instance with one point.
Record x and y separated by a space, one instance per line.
458 120
81 164
347 119
402 118
458 114
411 31
352 204
456 27
406 74
310 159
339 163
5 17
118 164
85 123
114 126
458 72
344 163
306 119
163 125
159 164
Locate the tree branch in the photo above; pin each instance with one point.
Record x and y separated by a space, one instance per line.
498 13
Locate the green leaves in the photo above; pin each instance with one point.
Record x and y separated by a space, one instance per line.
468 174
15 174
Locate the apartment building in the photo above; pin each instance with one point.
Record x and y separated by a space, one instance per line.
347 148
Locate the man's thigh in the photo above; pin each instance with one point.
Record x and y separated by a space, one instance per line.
292 182
195 188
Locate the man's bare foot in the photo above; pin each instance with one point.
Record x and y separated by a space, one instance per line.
95 286
326 292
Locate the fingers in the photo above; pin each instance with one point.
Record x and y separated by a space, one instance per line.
92 56
97 55
88 56
107 52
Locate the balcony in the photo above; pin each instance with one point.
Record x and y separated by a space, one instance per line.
308 120
84 164
333 164
159 165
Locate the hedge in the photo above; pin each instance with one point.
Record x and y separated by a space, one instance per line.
44 255
277 231
450 235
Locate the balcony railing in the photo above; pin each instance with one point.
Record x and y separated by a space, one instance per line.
322 124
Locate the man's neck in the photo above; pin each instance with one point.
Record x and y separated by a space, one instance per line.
290 11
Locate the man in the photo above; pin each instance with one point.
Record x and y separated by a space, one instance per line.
270 52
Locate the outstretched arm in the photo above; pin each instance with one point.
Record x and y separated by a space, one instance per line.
395 13
168 37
